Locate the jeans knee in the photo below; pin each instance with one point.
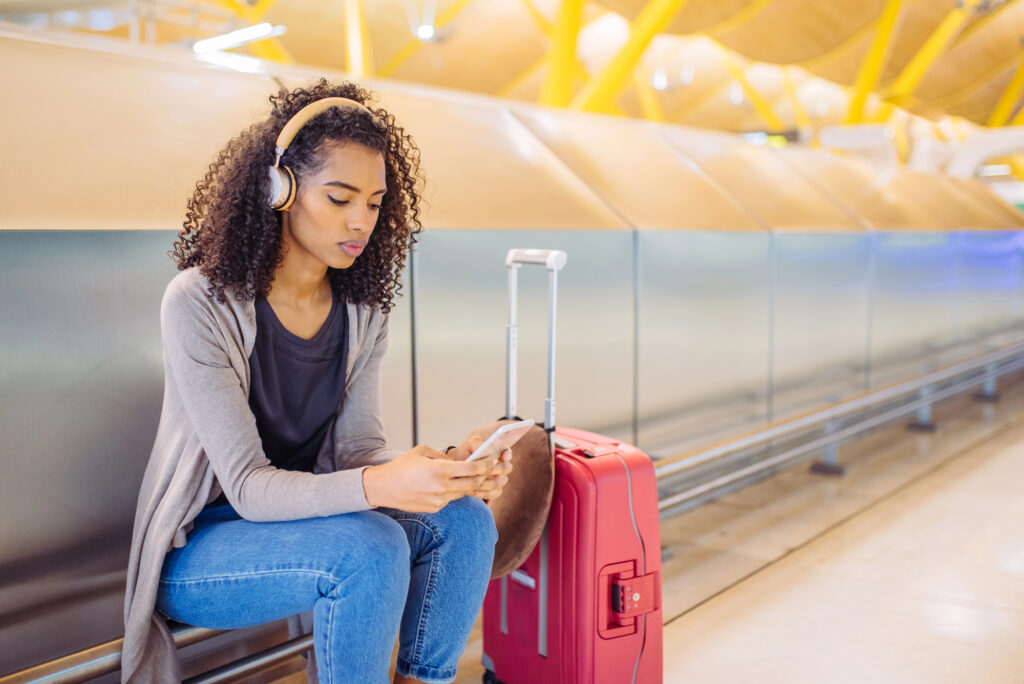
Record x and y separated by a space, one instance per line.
382 559
389 554
471 519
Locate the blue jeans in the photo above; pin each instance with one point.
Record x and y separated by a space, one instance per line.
363 574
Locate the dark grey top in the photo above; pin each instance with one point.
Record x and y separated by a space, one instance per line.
297 385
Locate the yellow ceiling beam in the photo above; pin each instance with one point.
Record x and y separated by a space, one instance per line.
260 8
908 80
874 61
902 140
598 94
578 71
557 87
1017 166
508 88
883 113
957 123
1004 109
545 26
761 105
270 48
1018 118
412 46
983 22
802 120
648 97
358 57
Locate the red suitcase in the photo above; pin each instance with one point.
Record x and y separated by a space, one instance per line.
585 606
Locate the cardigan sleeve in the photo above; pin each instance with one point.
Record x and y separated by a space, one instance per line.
209 371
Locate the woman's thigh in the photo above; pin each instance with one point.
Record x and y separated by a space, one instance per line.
235 573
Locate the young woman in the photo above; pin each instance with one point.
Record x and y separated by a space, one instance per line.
270 490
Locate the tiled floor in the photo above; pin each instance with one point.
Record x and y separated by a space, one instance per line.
908 569
925 585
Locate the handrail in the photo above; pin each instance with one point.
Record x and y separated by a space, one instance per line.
95 661
705 488
255 662
692 459
106 658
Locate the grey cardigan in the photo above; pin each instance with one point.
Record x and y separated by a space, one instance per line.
207 442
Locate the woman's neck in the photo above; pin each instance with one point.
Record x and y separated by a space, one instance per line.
301 279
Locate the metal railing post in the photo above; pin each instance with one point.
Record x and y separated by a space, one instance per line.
829 465
988 391
924 414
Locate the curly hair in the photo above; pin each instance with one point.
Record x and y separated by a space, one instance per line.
233 235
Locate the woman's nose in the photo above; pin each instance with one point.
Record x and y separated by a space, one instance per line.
360 221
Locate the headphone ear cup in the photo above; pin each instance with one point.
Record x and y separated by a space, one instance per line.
282 187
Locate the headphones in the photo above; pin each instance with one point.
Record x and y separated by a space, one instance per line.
282 181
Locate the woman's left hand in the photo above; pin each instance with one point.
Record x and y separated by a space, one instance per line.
491 484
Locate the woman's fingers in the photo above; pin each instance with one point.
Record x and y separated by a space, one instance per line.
483 479
459 469
468 446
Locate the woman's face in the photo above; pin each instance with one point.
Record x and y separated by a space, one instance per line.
336 208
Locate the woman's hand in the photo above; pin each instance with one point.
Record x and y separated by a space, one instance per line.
497 474
423 480
496 478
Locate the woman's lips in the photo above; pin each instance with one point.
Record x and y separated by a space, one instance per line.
353 249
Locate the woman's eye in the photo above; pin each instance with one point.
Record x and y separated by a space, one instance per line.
375 207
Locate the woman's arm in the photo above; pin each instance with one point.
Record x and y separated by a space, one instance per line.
203 363
420 479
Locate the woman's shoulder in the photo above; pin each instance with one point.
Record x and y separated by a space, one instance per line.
187 283
368 316
368 329
191 291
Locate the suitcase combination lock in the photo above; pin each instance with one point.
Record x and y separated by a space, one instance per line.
631 597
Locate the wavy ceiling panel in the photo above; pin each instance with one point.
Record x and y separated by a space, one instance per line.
975 70
794 31
500 46
696 16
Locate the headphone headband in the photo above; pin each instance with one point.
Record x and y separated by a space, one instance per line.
301 117
282 181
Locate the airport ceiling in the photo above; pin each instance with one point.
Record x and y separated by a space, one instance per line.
729 64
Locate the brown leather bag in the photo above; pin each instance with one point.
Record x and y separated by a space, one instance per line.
522 509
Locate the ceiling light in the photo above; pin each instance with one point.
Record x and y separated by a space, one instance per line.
67 18
233 61
736 94
249 34
425 32
660 80
104 20
994 170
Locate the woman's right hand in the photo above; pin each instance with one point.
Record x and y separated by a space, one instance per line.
422 480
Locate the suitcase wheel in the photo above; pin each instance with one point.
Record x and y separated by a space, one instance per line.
489 678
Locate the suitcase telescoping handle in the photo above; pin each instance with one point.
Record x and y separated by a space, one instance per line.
553 260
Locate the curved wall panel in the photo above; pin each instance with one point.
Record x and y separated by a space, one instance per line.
111 141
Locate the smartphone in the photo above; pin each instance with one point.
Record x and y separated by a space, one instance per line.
501 439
